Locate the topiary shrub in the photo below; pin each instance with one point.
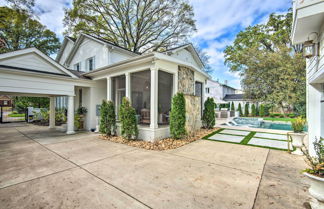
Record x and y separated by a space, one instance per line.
178 116
103 117
261 110
267 110
232 106
257 111
253 111
239 109
127 117
246 110
208 118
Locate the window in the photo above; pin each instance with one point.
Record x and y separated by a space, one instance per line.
90 63
207 90
80 97
77 66
5 102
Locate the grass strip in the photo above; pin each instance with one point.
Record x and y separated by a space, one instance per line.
246 139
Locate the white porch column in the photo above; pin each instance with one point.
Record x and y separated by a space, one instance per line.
70 115
128 85
154 99
109 89
52 112
175 83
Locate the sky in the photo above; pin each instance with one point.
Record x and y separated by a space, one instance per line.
217 21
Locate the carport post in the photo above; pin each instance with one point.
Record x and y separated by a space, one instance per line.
52 113
70 115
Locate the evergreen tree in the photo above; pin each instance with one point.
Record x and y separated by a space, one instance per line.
239 109
253 111
208 118
178 116
261 110
246 110
232 107
127 116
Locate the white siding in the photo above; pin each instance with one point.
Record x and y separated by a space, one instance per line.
90 48
118 56
66 52
31 61
215 90
186 56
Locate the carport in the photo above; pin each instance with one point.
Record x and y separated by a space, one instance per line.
29 72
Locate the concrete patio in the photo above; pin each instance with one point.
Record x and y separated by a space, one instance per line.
47 169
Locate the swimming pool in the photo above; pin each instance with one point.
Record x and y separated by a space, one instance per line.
260 123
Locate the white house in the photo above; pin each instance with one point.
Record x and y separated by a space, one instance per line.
308 29
218 91
88 70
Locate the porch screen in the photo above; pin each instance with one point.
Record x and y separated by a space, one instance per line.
164 96
141 95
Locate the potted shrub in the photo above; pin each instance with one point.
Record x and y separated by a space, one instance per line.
81 111
298 135
315 174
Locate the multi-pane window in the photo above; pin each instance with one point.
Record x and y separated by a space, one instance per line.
77 66
91 63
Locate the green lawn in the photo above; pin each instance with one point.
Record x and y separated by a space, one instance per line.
16 115
279 119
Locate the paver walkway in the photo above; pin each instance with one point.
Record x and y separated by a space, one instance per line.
45 169
261 139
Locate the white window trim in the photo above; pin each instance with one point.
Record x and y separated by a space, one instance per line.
75 68
93 63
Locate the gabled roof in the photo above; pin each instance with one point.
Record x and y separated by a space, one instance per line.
65 41
102 41
59 69
190 48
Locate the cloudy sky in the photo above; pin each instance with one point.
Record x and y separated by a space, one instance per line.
218 22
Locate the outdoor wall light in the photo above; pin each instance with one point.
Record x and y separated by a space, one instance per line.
309 47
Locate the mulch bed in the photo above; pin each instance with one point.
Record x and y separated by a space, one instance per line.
163 144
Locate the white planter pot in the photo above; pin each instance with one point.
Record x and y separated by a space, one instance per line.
297 142
316 190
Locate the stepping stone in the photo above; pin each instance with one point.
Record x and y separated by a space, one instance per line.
271 136
269 143
227 138
235 132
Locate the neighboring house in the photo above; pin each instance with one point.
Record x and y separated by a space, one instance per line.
88 70
218 91
308 29
5 101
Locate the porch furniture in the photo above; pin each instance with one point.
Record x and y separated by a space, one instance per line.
145 116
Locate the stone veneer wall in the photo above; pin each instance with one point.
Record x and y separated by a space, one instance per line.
186 81
186 85
193 114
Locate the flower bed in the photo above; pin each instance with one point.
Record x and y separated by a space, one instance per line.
164 144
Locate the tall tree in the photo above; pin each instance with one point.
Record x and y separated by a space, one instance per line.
272 69
18 30
138 25
26 5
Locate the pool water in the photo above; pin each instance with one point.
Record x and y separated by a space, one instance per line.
260 123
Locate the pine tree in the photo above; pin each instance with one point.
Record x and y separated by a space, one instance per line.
246 110
261 110
239 109
232 107
253 112
209 113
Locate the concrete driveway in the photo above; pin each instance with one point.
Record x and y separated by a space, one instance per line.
46 169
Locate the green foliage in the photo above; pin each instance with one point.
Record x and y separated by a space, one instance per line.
272 69
127 117
60 117
262 114
82 110
208 117
316 163
136 25
246 110
267 110
298 124
77 122
107 118
257 110
178 116
253 111
20 30
232 106
239 109
21 103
